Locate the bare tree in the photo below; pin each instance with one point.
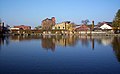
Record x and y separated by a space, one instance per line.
85 21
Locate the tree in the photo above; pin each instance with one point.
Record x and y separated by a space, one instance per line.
116 47
38 27
116 22
85 21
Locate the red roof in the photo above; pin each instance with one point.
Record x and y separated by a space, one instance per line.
83 28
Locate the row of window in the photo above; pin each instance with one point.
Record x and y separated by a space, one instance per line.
59 28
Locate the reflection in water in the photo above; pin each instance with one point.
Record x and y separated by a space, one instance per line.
116 47
65 40
84 40
23 38
47 42
4 40
93 43
50 42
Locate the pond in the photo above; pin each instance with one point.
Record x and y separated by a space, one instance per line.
59 55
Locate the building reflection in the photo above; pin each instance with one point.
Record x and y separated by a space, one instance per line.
50 42
84 40
66 40
18 38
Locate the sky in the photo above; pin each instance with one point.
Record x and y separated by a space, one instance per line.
32 12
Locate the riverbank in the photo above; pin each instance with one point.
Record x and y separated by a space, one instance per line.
112 35
65 33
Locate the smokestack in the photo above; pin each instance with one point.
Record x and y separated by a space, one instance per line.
53 19
0 22
92 25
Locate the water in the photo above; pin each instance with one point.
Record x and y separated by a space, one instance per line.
59 55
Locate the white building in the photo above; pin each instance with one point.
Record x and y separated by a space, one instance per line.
14 28
105 26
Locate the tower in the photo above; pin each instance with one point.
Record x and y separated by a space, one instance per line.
0 22
53 20
92 25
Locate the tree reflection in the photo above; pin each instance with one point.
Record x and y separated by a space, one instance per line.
4 40
116 47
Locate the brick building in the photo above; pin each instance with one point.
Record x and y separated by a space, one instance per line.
47 24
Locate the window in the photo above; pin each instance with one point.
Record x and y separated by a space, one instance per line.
58 27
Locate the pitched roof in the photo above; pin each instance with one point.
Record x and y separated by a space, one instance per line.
102 23
82 27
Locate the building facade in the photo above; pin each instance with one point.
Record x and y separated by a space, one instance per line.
47 24
104 26
62 26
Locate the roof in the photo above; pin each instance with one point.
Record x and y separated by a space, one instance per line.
82 27
102 23
109 23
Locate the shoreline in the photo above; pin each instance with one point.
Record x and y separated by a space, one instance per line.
108 35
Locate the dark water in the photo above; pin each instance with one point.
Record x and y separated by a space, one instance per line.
59 55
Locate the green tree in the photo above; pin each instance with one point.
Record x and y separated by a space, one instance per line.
116 22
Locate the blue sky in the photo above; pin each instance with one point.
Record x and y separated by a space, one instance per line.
32 12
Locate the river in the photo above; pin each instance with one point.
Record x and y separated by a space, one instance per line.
59 55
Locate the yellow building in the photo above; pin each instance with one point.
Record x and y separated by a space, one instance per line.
63 26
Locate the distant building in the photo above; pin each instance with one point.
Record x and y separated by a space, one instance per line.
4 29
23 27
82 28
62 26
104 26
47 24
1 26
14 28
